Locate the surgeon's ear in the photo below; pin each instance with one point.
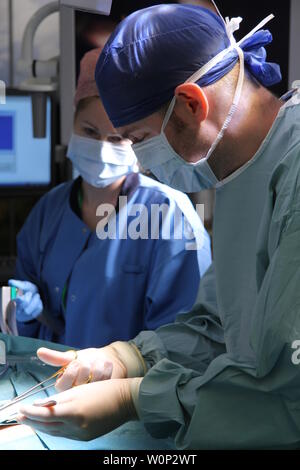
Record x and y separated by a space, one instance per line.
193 97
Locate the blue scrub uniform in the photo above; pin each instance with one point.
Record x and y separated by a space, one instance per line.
115 287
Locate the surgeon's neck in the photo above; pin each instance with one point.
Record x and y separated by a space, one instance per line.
94 197
249 128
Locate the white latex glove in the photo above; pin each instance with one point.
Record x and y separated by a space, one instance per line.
90 365
85 412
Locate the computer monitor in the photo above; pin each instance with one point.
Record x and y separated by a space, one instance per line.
25 162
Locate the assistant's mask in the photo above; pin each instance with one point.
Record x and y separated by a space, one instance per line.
158 156
101 163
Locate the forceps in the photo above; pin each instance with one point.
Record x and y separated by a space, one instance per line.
35 389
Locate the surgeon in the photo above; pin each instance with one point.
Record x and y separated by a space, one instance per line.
225 375
85 277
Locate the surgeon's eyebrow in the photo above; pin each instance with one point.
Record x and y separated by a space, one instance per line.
129 135
85 121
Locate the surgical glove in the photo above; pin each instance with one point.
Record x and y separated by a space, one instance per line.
85 366
29 303
85 412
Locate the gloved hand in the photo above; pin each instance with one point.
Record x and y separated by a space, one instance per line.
87 365
29 303
83 413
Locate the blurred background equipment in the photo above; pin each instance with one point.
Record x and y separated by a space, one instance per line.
25 161
102 7
42 74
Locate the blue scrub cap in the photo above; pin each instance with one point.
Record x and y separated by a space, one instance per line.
154 50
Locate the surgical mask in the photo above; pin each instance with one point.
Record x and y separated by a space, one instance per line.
101 163
158 156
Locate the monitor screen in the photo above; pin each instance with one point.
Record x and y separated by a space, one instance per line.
24 160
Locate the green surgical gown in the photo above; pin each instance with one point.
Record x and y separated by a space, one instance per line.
223 376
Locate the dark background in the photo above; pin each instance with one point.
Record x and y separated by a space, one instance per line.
251 12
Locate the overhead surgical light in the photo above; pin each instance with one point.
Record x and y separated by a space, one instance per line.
43 74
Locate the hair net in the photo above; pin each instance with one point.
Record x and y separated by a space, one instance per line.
86 82
154 50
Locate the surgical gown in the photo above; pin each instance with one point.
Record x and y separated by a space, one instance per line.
224 376
115 287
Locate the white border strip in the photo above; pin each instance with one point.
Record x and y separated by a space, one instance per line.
294 59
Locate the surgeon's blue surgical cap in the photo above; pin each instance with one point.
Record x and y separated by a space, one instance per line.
156 49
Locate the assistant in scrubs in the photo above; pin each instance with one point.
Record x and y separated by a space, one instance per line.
225 375
87 284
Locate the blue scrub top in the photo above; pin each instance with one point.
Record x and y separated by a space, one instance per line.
116 287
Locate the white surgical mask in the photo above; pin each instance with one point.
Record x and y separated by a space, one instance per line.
158 156
101 163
